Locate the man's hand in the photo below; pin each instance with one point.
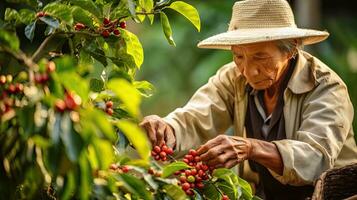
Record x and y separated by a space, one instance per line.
225 151
158 131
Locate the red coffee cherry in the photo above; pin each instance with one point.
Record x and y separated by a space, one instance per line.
106 21
225 197
40 14
60 105
109 111
79 26
122 24
105 33
151 171
109 104
157 149
50 67
125 169
72 101
116 32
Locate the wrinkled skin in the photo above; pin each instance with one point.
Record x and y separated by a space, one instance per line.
158 131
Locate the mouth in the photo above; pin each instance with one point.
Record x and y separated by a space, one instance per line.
257 82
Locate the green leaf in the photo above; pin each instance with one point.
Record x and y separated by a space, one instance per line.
172 168
65 64
96 85
88 5
210 192
133 47
227 188
135 186
26 120
103 147
197 195
82 16
49 30
122 142
131 6
127 93
11 15
99 55
188 11
27 16
50 21
166 27
175 192
86 180
147 7
59 11
9 39
246 189
137 137
30 31
69 186
256 198
226 175
145 88
99 119
71 140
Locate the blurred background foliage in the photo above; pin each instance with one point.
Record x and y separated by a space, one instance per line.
177 72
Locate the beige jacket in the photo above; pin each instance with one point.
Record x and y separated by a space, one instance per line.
318 119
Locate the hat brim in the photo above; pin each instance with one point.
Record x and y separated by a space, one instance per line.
247 36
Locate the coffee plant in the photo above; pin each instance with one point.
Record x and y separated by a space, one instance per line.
69 106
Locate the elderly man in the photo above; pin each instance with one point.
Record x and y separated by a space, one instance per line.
291 114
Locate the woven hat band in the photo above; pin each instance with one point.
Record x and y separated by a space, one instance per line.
253 14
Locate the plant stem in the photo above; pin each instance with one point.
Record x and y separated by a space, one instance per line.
172 158
39 50
20 56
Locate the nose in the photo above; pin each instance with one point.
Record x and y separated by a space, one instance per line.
250 70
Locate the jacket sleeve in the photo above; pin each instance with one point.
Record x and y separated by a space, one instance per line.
208 113
326 119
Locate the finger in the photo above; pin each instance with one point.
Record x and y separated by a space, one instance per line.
150 131
211 153
221 159
231 163
209 145
160 132
170 137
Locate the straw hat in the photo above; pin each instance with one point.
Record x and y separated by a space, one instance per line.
259 21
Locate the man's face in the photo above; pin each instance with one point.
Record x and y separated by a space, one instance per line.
261 64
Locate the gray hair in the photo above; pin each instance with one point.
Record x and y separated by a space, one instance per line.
290 46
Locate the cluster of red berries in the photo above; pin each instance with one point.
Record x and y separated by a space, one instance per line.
70 102
109 107
8 88
41 14
42 78
106 28
161 153
193 178
111 27
11 88
120 169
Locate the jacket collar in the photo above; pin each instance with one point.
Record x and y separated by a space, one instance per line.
303 78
